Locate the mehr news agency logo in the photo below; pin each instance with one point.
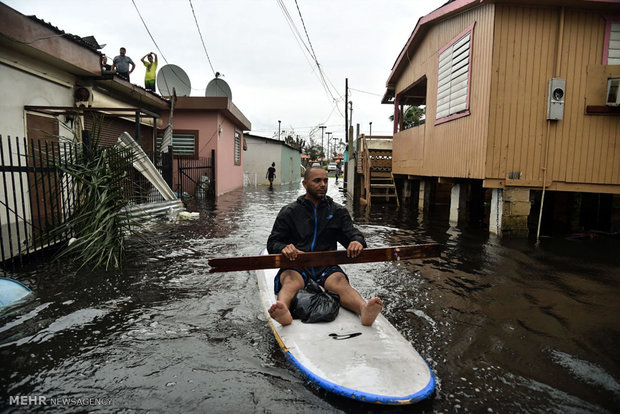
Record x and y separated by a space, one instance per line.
29 400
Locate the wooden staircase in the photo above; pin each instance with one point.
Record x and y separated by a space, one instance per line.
375 166
382 185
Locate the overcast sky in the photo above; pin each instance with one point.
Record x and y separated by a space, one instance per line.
250 42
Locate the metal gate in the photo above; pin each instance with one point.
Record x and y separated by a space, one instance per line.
196 177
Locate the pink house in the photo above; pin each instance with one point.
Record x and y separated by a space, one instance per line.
204 126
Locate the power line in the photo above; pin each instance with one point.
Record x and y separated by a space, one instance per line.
302 44
316 60
369 93
149 32
321 73
158 49
201 39
306 31
310 51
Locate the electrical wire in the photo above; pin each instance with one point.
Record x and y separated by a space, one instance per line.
302 45
310 51
369 93
149 32
201 38
160 53
314 57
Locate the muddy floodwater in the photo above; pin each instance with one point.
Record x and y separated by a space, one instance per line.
506 326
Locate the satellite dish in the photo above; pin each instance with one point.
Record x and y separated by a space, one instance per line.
218 87
172 77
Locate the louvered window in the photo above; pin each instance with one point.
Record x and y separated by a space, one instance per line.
183 143
237 148
613 45
453 77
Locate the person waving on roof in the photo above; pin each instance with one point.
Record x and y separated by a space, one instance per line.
151 69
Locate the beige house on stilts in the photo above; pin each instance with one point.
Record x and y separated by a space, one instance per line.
522 111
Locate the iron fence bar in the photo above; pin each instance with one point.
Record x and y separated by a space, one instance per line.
25 169
21 186
6 203
37 191
47 196
200 167
213 169
62 213
15 204
71 190
53 193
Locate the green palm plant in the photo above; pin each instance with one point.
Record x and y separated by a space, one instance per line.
97 176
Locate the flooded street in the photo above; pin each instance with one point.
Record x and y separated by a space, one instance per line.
507 327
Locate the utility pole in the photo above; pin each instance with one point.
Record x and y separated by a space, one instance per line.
328 137
350 114
349 172
370 133
279 122
346 110
322 129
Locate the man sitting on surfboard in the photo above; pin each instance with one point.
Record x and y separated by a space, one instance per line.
314 222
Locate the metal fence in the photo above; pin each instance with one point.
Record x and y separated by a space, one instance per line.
196 176
36 196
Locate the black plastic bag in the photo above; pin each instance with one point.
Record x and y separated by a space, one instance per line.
313 304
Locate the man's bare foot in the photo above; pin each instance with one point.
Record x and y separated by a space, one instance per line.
370 311
280 313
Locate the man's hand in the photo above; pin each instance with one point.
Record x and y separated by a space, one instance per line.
291 252
355 249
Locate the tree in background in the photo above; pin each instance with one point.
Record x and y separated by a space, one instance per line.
297 142
313 150
414 116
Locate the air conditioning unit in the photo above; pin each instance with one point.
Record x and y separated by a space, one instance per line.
613 92
555 99
83 96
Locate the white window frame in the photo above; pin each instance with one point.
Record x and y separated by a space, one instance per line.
454 77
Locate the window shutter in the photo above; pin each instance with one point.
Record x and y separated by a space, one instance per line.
453 78
182 144
237 148
613 56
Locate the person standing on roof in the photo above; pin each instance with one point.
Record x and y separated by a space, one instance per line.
121 65
151 69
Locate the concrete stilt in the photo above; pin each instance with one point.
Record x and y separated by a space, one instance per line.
510 209
495 216
424 199
458 203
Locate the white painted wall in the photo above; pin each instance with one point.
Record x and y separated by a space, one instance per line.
259 156
24 82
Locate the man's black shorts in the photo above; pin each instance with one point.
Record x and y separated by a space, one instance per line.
319 274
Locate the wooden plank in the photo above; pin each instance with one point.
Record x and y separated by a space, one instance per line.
326 258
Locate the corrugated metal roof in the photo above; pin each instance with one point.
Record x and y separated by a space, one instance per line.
88 42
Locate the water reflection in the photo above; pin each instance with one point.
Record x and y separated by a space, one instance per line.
506 326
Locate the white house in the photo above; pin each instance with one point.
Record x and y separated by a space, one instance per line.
262 152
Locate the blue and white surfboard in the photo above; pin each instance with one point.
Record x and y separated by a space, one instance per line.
374 364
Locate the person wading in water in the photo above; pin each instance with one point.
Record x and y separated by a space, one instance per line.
271 174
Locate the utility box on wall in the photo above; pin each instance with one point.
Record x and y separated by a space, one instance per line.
556 95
